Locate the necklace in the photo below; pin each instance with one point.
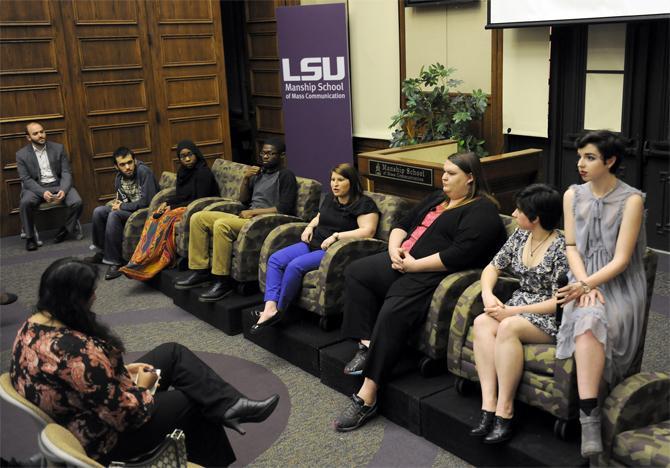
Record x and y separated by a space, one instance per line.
533 250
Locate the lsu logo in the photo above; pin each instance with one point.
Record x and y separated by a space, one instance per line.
314 69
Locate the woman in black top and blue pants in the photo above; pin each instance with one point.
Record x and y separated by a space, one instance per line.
388 294
344 214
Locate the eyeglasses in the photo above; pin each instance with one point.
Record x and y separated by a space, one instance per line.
185 155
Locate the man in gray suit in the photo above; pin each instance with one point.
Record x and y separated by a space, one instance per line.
45 177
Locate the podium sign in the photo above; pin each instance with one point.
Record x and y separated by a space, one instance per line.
314 61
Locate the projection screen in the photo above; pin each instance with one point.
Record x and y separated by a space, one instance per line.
525 13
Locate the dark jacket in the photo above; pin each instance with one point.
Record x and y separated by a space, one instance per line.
148 187
464 237
29 168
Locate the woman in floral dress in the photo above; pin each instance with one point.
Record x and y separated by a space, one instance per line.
534 253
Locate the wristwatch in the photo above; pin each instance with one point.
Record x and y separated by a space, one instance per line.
585 287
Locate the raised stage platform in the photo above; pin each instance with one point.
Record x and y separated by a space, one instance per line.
429 407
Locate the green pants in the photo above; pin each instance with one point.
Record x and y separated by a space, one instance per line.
223 229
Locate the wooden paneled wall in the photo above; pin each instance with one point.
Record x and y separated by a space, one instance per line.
101 74
264 67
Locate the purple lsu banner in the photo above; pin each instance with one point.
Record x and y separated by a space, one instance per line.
314 60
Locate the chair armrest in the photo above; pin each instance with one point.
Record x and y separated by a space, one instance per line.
247 247
638 401
132 231
160 197
337 258
226 206
280 237
433 337
468 306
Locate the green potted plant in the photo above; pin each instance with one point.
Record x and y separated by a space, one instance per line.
434 112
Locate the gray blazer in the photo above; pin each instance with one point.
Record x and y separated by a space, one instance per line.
29 168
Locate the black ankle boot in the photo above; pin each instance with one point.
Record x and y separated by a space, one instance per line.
485 424
502 431
245 410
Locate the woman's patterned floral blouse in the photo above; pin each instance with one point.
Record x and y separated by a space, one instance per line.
80 383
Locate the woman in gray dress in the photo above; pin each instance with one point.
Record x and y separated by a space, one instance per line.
604 302
534 253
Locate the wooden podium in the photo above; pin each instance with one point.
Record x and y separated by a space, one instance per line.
415 171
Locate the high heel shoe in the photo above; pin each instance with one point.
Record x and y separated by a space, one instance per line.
501 432
257 327
485 424
245 410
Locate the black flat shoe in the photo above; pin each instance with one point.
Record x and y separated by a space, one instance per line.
218 291
501 432
31 244
193 279
113 272
257 327
485 424
245 410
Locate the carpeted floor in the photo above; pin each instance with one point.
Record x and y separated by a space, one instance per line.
300 432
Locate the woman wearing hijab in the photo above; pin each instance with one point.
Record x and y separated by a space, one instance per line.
156 248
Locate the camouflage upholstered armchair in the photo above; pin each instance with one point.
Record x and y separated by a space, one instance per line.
432 338
228 175
323 289
247 247
547 383
135 224
636 422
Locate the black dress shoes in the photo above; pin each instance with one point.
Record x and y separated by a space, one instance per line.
257 327
31 244
193 279
60 236
501 432
245 410
113 272
485 424
218 291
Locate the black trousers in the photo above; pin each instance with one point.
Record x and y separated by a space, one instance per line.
387 321
196 404
30 201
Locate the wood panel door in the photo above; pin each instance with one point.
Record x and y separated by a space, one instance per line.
186 47
264 67
34 79
113 88
103 74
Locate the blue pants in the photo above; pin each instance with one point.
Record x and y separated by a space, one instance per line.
286 267
108 233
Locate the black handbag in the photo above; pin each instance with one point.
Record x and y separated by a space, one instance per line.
171 453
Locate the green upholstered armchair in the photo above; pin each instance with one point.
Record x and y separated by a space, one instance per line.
547 383
432 339
636 422
132 231
323 289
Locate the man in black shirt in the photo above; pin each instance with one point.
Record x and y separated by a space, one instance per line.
270 189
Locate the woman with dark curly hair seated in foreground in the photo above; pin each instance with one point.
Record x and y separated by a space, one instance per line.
71 366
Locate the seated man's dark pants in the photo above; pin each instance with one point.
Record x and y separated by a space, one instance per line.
387 321
108 232
196 404
30 201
